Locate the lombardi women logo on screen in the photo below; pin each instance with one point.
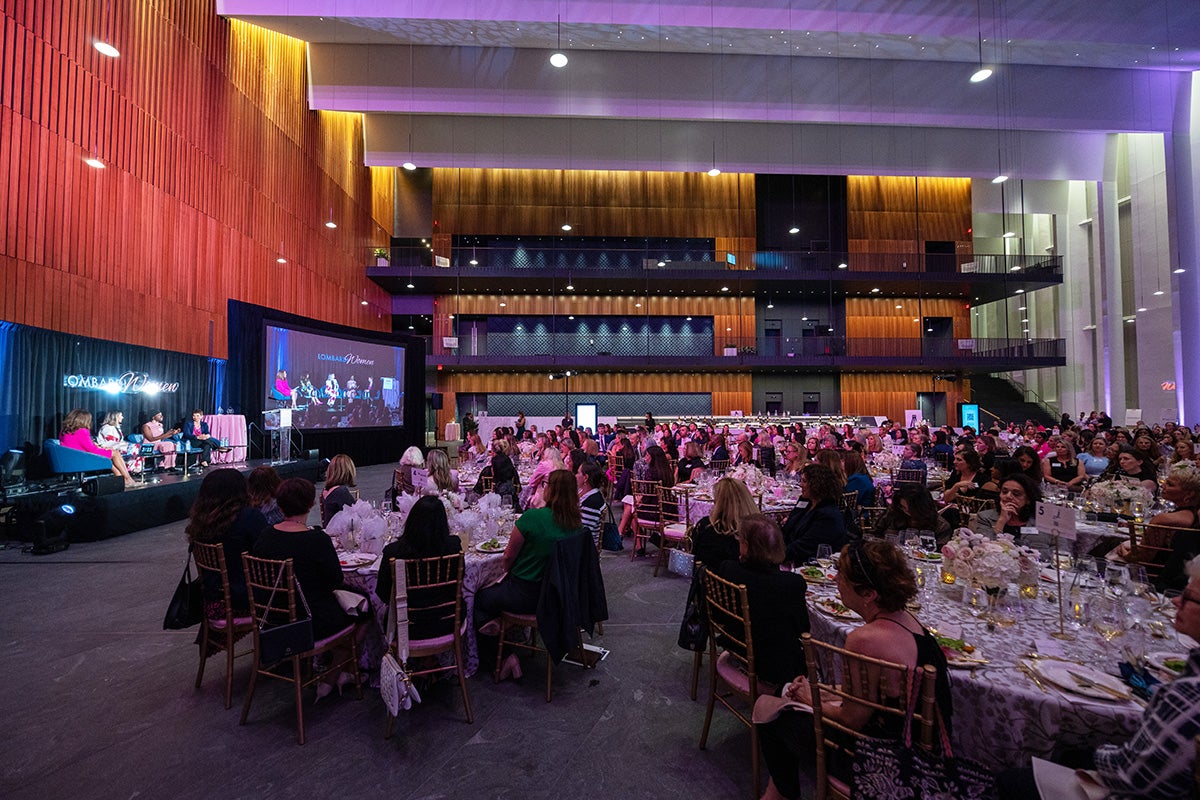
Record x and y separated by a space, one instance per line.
349 358
129 383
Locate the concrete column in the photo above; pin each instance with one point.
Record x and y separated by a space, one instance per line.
1108 258
1183 192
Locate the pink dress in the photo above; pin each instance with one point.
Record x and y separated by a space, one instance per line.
164 446
82 440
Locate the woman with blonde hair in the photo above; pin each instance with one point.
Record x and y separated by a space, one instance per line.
441 477
412 458
339 479
714 539
76 434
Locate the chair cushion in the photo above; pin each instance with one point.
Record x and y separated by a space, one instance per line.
841 787
676 530
420 647
238 622
528 620
730 670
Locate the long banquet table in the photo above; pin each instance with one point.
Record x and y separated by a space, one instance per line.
1001 718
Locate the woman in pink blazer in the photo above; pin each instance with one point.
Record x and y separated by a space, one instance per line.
76 434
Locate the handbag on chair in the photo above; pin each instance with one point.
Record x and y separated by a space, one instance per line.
187 604
397 689
288 639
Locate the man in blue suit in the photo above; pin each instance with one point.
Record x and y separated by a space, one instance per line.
196 434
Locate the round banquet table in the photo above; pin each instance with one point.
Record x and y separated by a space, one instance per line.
1001 718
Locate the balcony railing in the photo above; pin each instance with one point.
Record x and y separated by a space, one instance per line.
488 261
639 351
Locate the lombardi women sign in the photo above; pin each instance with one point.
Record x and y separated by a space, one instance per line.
129 383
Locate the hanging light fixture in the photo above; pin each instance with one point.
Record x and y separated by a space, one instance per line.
558 58
280 259
715 171
330 223
982 73
412 83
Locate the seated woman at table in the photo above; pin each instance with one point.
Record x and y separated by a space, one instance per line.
1062 468
690 462
778 606
426 535
111 437
651 467
1158 760
832 459
411 457
1019 497
1134 468
476 450
858 478
795 458
913 509
530 546
1183 450
153 433
441 477
1030 462
591 482
76 435
551 460
875 580
261 485
988 448
1181 487
743 454
505 481
223 514
1095 459
339 481
967 477
714 537
817 519
316 568
1144 443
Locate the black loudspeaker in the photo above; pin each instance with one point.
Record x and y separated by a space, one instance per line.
103 484
310 455
435 401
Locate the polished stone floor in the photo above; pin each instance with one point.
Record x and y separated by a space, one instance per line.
98 701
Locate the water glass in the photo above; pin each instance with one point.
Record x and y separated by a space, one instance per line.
824 552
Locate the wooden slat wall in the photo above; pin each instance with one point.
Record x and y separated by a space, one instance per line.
898 214
213 161
596 202
893 393
730 391
727 312
879 317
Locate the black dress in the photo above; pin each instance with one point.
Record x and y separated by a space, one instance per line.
238 538
334 502
420 626
778 616
710 547
808 528
315 565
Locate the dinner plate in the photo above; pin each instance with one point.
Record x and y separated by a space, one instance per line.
814 574
483 547
356 560
932 558
1158 661
1059 674
835 609
956 659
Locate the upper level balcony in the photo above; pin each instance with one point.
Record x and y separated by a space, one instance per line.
548 266
557 351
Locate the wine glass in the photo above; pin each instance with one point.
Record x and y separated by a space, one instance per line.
1116 579
1109 618
824 552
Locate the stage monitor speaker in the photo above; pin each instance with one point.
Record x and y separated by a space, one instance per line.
103 484
435 401
310 455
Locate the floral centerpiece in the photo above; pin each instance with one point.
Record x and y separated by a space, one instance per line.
1118 494
750 475
885 461
990 563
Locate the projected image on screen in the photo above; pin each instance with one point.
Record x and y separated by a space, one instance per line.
334 382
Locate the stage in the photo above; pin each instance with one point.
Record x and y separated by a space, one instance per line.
145 506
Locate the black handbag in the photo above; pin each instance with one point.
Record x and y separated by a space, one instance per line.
288 639
610 535
693 631
187 604
889 768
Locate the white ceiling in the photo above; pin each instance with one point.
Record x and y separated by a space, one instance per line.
810 86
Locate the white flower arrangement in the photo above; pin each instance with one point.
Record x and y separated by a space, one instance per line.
1117 493
749 475
886 461
991 563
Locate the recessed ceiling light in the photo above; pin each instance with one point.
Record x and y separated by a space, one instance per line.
106 49
94 163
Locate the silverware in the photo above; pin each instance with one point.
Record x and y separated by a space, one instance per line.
1084 682
1029 673
1039 656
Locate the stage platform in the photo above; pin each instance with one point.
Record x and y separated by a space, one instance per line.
145 506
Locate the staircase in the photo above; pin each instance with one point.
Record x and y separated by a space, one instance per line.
999 397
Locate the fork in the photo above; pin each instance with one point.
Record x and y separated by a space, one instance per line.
1084 682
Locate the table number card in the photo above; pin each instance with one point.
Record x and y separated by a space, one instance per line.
1057 521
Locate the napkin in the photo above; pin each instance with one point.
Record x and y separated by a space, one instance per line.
358 528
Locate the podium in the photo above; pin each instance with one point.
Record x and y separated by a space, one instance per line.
279 422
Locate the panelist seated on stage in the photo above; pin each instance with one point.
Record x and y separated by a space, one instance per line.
153 433
282 391
76 434
196 434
